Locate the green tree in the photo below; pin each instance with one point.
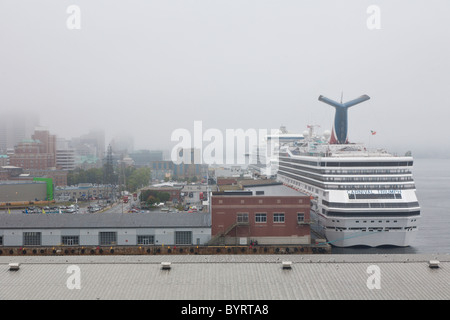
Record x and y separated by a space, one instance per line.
138 178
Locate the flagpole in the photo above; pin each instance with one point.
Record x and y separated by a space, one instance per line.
372 133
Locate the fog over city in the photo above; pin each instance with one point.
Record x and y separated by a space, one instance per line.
147 68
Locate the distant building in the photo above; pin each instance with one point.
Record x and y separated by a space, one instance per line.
4 160
144 158
227 172
162 169
173 191
22 191
126 161
189 165
194 194
122 144
31 154
14 127
59 177
48 143
89 149
12 173
168 169
84 191
65 155
226 181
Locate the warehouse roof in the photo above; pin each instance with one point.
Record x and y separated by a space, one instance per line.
105 220
278 190
227 277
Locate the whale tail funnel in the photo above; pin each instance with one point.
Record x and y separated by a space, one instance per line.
340 127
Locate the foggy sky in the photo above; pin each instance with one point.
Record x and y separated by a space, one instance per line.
148 67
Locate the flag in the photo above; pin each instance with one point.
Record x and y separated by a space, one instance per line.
373 132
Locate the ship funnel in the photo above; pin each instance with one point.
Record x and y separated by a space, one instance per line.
340 127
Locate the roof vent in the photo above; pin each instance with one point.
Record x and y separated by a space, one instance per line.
287 265
14 266
433 264
165 265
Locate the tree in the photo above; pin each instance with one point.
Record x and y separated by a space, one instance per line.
152 197
151 200
138 178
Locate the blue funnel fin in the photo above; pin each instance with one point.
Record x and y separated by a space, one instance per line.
330 102
340 128
356 101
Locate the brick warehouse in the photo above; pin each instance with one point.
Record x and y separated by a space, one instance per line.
260 215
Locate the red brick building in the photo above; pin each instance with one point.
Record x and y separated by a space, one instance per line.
226 181
37 153
242 217
173 191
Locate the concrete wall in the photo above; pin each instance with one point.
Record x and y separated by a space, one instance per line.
26 191
90 237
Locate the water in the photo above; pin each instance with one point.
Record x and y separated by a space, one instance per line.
432 179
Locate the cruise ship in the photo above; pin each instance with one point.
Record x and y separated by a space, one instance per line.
264 157
360 197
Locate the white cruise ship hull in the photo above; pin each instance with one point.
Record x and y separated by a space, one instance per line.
370 239
378 231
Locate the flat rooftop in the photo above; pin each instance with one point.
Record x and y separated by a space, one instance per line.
105 220
278 190
228 277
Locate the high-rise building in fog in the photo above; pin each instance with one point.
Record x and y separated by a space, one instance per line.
14 127
92 143
122 144
48 141
144 158
95 138
89 149
65 155
36 153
